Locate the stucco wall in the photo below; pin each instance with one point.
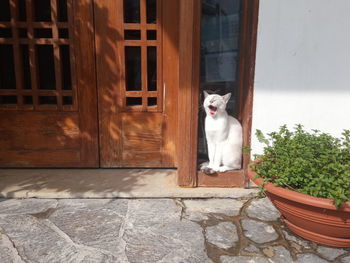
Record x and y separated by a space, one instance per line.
302 70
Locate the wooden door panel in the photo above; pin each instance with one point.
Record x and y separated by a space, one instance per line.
46 158
36 131
142 159
142 133
48 105
137 67
142 139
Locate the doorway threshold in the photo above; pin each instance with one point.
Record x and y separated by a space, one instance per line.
105 183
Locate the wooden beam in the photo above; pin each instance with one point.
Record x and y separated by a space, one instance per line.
248 79
86 74
189 53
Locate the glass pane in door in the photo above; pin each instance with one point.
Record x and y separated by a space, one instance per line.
131 11
133 68
220 33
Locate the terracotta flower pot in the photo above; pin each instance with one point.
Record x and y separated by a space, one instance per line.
312 218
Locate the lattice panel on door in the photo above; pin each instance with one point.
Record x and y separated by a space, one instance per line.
141 30
36 46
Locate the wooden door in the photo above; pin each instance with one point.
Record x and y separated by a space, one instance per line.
137 79
48 105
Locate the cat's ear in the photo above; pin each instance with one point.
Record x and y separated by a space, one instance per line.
206 94
226 97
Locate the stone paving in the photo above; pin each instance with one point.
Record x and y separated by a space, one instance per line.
152 230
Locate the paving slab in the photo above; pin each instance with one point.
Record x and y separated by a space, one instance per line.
155 233
243 259
298 242
92 223
263 209
27 206
149 231
105 183
309 258
252 249
223 235
259 232
34 240
330 253
8 253
345 259
280 255
198 210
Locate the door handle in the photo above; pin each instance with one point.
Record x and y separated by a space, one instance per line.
164 94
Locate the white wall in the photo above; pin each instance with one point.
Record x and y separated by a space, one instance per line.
302 70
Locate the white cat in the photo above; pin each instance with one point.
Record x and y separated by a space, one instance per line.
224 136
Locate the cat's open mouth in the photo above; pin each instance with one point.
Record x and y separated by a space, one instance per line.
212 109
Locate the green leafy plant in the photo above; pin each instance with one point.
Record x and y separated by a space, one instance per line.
315 163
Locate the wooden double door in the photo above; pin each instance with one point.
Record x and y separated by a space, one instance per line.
88 83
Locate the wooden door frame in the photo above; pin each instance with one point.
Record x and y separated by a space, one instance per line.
189 62
85 70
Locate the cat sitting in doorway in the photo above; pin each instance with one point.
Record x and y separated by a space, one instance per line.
223 134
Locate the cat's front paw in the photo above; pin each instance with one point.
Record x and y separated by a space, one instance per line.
223 169
207 169
203 166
